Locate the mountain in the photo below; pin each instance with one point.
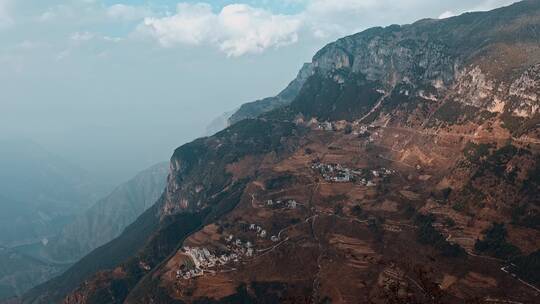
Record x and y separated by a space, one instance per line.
26 266
106 219
219 123
19 272
256 108
404 170
39 192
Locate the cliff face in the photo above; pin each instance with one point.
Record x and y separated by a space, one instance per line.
200 170
477 59
404 169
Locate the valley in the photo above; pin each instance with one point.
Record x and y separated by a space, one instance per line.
402 165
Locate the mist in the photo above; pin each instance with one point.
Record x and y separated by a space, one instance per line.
114 116
90 82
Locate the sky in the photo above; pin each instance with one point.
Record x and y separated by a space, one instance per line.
116 86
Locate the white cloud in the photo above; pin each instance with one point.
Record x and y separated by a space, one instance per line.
447 14
237 29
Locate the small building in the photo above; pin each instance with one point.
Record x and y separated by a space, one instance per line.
292 204
274 238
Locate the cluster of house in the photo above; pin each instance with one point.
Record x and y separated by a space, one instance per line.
144 266
261 233
382 172
336 172
379 173
326 126
204 260
362 131
291 204
340 174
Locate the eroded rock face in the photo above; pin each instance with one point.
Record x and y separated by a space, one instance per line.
478 60
519 96
526 89
390 56
198 170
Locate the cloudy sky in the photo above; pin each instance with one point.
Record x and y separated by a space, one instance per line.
115 86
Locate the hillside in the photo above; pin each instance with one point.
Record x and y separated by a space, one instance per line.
404 169
40 191
256 108
107 218
19 272
28 265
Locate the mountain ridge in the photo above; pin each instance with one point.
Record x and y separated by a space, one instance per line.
405 170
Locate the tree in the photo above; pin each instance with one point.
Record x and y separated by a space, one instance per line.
348 129
495 244
357 211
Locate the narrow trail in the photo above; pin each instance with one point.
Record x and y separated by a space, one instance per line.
376 107
317 280
503 269
490 300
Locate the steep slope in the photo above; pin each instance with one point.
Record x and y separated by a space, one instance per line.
106 219
29 265
219 123
19 272
405 170
256 108
41 190
157 232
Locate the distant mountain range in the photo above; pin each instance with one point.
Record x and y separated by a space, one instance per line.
403 167
39 192
106 219
54 223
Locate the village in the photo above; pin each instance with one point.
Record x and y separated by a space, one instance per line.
205 261
340 174
355 128
202 260
282 204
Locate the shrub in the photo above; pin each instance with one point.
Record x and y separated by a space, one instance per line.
495 244
528 267
428 235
